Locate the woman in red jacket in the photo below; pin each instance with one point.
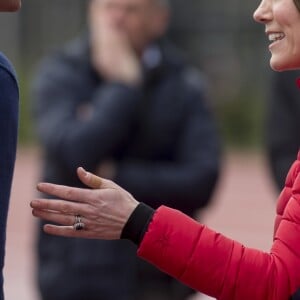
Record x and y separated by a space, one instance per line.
191 252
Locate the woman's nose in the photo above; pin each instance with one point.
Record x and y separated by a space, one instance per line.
263 13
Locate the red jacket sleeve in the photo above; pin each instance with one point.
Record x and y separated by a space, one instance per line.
286 193
223 268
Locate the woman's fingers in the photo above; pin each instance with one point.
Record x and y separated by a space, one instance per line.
65 192
59 217
66 231
55 217
101 210
95 182
59 206
56 205
89 179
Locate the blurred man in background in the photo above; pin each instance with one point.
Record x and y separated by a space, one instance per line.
283 124
122 102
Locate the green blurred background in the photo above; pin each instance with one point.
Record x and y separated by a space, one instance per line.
219 37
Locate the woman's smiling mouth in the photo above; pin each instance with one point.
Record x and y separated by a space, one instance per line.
275 36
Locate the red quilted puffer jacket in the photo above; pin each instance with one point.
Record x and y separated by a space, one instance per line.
218 266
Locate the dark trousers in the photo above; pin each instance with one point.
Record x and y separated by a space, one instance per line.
104 270
156 285
296 296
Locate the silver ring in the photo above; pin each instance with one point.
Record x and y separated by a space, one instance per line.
78 224
77 219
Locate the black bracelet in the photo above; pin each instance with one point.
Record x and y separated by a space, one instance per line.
138 223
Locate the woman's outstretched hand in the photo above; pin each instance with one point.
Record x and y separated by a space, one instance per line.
97 212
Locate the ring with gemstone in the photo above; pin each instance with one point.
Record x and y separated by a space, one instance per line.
78 224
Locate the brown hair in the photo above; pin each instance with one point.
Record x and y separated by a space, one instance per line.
297 3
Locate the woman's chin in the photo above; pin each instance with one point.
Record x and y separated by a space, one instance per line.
275 68
280 65
276 65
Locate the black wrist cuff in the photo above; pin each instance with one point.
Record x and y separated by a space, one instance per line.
137 224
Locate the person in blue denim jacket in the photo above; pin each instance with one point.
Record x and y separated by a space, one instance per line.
9 100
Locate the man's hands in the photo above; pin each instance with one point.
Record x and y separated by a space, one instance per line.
103 209
112 55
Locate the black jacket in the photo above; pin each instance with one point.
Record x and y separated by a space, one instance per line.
283 124
161 135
